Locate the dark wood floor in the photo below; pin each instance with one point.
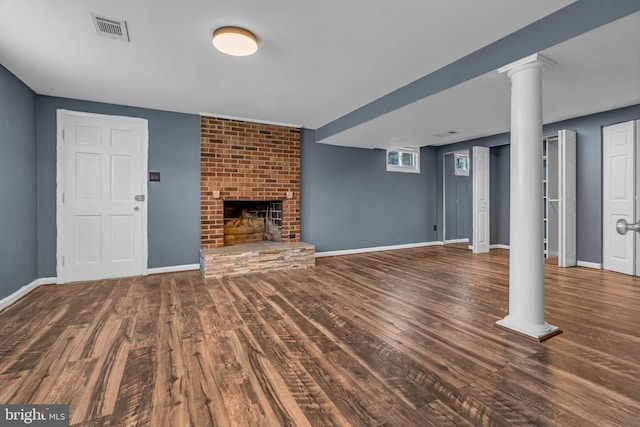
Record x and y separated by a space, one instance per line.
402 338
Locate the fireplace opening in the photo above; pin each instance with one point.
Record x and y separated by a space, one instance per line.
252 221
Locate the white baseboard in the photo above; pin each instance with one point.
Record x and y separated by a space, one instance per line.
406 246
8 300
448 242
587 264
498 246
376 249
173 269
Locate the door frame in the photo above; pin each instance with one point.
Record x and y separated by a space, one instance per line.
444 200
470 238
473 196
60 226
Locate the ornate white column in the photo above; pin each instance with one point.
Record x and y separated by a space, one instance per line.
526 255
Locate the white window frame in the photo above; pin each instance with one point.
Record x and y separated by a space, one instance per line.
415 152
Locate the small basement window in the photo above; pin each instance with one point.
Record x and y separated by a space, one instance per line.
403 160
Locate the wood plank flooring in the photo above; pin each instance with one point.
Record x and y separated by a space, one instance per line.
401 338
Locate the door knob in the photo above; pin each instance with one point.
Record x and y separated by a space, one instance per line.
136 208
622 226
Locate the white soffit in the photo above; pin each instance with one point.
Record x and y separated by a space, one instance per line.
594 72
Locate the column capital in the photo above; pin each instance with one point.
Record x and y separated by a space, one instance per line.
536 58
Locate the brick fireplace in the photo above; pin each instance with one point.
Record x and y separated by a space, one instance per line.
246 161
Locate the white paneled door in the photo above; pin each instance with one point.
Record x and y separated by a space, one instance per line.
101 209
567 195
481 202
618 196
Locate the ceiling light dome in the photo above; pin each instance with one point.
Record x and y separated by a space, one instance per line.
235 41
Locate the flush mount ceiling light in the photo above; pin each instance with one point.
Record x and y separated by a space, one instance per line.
235 41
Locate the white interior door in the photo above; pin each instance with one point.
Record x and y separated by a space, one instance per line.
101 211
481 202
567 218
618 196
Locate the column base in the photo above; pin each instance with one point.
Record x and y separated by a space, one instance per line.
535 332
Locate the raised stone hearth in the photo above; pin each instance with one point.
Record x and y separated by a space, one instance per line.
256 258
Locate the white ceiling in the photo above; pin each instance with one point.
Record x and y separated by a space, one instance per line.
317 61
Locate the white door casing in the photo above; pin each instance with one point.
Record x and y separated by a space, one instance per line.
636 235
101 168
618 196
481 200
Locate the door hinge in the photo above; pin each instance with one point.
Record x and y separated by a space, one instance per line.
63 261
62 197
63 134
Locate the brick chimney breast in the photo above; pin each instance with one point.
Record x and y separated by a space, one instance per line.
242 160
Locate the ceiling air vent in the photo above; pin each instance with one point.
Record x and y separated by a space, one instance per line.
109 27
445 133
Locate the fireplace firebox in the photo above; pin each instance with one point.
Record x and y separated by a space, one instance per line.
252 221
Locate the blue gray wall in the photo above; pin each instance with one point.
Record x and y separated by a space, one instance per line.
18 204
174 202
466 185
348 198
589 177
350 201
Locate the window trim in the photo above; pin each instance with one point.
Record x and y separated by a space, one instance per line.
415 152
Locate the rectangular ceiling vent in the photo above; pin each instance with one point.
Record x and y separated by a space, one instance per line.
445 133
109 27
